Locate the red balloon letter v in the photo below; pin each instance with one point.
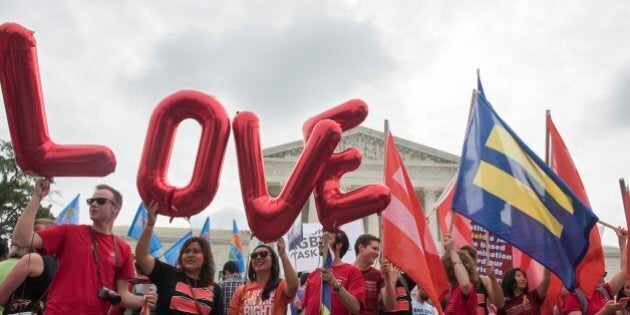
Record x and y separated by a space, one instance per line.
270 218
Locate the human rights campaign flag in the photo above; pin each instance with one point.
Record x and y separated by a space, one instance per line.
504 187
138 224
171 254
70 214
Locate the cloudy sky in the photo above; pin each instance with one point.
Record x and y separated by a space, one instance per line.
105 66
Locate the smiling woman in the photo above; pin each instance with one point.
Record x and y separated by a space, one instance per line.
188 287
266 293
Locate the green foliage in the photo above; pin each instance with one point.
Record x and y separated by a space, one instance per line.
16 189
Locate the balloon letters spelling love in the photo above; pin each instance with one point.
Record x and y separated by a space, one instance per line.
270 218
215 132
35 152
334 207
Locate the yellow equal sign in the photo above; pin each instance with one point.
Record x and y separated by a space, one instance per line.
507 188
501 141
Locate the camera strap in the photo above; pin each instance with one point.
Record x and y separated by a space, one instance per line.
95 257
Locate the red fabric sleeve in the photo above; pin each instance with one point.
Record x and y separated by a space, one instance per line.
280 293
54 239
310 288
356 286
235 304
571 304
126 270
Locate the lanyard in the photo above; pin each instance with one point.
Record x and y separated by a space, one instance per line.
95 257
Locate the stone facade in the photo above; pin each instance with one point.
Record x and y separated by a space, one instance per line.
430 169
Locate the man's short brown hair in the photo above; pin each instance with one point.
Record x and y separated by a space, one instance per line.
365 240
117 196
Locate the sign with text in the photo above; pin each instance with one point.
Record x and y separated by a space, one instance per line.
494 251
305 257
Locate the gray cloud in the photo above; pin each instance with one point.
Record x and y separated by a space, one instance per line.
276 71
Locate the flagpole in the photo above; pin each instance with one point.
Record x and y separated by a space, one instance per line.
321 278
624 192
380 214
470 109
547 142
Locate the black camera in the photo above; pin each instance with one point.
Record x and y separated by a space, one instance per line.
111 296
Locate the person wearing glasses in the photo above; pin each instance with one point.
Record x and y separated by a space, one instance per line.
93 265
266 293
187 288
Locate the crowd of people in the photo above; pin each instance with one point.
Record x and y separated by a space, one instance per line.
86 269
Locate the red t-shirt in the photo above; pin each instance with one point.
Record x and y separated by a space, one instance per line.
461 304
246 300
74 289
347 275
373 284
595 303
524 304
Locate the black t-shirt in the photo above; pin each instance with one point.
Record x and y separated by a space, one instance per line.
34 288
175 296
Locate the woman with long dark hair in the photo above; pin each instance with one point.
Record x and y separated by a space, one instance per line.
266 293
519 300
460 270
187 288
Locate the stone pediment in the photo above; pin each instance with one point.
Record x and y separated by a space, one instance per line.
370 143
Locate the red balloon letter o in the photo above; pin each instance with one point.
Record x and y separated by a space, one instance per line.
151 180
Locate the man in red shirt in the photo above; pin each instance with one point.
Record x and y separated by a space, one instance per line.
378 284
93 264
601 302
347 287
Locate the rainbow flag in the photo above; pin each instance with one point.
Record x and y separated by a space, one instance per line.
236 249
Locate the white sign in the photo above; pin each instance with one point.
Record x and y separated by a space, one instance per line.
305 257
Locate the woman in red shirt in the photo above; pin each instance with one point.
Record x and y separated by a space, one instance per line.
266 293
460 271
519 300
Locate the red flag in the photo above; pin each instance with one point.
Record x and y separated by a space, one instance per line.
590 271
461 227
407 240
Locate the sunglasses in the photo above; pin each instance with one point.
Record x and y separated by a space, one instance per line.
262 255
99 201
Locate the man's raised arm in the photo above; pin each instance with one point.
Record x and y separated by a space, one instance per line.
23 235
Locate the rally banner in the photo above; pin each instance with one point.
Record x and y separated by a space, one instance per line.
305 256
498 250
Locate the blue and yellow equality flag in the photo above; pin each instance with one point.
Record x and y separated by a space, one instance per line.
504 187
